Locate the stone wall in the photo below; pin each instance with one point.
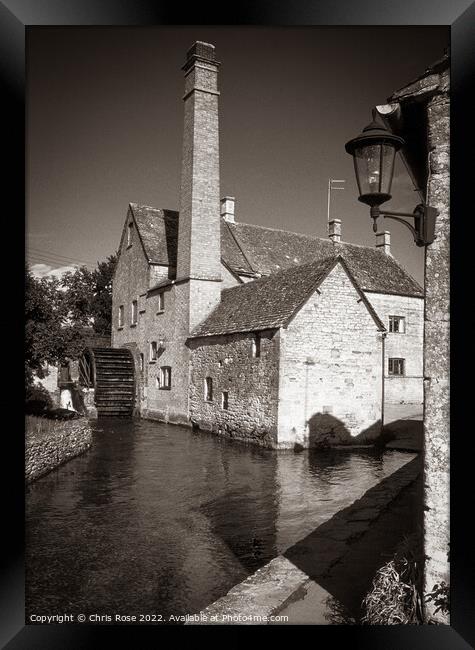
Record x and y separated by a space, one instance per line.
433 91
50 443
437 352
131 282
407 345
251 383
331 369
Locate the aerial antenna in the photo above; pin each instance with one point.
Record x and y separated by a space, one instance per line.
330 188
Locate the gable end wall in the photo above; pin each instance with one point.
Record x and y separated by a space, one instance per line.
331 369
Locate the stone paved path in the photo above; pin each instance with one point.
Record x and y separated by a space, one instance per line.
307 566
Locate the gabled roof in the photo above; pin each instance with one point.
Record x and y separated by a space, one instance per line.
158 230
269 250
252 250
270 302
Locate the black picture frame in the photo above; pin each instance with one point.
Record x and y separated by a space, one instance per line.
16 16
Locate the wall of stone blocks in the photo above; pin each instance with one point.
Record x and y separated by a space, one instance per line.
130 282
331 369
251 383
437 352
408 346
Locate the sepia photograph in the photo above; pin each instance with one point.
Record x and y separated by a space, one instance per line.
237 325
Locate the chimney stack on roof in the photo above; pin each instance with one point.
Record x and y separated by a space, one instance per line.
383 241
227 208
334 230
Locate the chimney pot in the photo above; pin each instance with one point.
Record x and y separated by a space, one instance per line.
383 241
227 208
334 230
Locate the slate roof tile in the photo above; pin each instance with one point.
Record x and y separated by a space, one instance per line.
269 302
249 250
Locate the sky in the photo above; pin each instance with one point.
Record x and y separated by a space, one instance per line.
105 124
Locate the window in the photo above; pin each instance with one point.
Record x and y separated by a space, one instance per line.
397 324
208 389
396 366
121 316
134 314
153 351
256 346
224 400
165 377
141 362
161 301
129 234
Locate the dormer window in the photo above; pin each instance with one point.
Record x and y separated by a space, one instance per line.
129 234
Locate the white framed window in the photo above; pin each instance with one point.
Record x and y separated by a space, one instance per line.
129 234
396 367
153 351
209 389
225 400
121 316
134 313
256 346
397 324
161 302
165 377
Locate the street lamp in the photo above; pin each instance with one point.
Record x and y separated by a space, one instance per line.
374 152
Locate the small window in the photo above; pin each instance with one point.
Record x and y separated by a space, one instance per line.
153 351
256 346
161 301
141 362
396 367
121 316
134 313
209 389
129 234
165 377
224 400
397 324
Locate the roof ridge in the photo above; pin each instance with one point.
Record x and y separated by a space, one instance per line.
296 267
303 234
151 207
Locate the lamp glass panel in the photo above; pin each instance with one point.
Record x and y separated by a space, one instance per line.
387 167
367 163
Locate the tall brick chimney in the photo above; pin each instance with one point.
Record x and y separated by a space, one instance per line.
383 241
199 254
334 230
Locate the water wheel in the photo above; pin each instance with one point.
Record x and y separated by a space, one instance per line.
110 371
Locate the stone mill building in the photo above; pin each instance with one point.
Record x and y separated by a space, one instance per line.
274 337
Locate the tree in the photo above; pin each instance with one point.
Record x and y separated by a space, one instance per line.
88 295
50 337
58 311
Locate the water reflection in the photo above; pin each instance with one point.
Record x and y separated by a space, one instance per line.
157 519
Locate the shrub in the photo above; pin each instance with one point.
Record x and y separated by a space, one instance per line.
38 400
395 597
